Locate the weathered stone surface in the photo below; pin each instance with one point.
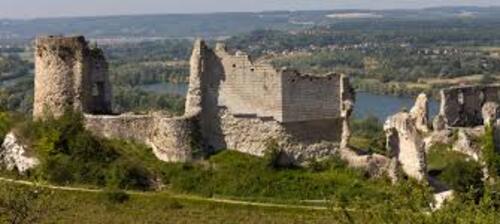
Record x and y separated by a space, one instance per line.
232 103
490 113
441 198
420 113
376 165
170 138
438 137
243 104
14 155
462 106
439 123
70 75
347 107
465 144
405 143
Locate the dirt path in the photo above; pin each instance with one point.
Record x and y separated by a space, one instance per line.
175 196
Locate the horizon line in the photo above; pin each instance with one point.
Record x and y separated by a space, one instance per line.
240 12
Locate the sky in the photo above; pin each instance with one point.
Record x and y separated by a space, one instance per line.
72 8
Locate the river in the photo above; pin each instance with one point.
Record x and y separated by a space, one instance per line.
367 104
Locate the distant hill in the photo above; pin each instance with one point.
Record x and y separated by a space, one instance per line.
220 25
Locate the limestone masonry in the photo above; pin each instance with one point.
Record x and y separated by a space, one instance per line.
236 104
70 75
462 106
232 103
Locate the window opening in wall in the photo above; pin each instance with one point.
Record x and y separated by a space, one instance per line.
98 89
461 99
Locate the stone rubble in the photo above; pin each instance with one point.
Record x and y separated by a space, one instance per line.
14 155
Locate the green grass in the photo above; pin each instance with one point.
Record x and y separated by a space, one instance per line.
455 169
235 174
57 206
72 156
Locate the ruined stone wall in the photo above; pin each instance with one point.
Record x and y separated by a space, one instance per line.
247 88
306 97
232 103
241 105
300 142
405 144
170 138
257 89
66 71
100 99
462 106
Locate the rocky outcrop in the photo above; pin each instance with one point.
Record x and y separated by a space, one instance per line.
441 198
14 155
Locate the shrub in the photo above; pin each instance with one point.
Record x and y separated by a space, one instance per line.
125 174
455 169
273 154
491 156
71 154
463 176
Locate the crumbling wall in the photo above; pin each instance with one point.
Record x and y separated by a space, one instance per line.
66 73
307 97
246 88
101 97
232 103
170 138
405 140
243 105
462 106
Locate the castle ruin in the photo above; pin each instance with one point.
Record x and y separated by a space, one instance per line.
232 103
70 75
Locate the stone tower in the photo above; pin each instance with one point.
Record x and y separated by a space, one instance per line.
70 75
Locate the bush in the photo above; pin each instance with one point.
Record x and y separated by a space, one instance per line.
234 174
491 155
463 176
455 169
71 154
273 154
128 175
